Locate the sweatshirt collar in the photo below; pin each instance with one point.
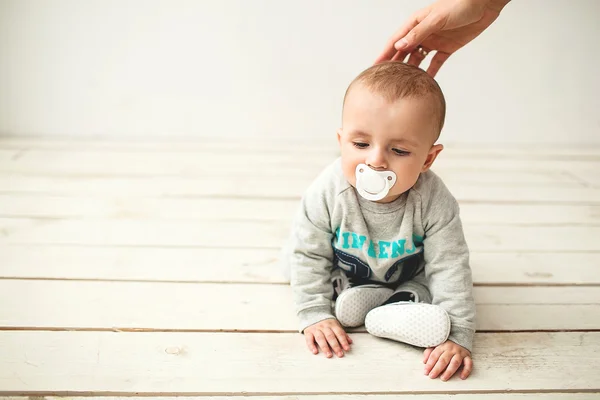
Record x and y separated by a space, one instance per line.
381 208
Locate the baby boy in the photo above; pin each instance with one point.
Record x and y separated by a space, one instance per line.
378 239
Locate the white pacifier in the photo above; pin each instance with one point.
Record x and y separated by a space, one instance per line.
373 185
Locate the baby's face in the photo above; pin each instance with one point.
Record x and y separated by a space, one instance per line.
395 136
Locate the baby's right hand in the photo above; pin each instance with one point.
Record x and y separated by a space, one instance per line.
327 333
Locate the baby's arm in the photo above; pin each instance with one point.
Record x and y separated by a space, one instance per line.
448 272
311 262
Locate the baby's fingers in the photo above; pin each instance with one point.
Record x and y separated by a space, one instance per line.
333 342
441 365
310 342
454 365
426 354
468 362
343 338
432 359
320 338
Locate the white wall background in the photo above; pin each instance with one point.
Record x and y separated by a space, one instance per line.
139 68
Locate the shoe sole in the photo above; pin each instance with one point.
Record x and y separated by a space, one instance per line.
417 324
353 305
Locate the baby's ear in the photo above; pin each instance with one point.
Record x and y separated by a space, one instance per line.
431 156
339 134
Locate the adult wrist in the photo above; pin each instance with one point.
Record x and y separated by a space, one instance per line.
497 5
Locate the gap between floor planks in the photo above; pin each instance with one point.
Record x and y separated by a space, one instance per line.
565 395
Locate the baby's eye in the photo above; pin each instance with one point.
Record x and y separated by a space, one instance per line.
360 145
401 152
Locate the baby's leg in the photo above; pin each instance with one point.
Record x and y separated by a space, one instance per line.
411 291
409 317
353 302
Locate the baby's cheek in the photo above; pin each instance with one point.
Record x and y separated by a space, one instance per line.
405 181
349 170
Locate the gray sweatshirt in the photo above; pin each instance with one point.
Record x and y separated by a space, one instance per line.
419 234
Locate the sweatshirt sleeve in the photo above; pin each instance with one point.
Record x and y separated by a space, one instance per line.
447 267
311 256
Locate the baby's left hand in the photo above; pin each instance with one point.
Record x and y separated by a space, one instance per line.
450 355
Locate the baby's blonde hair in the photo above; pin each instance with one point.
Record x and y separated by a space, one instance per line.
395 80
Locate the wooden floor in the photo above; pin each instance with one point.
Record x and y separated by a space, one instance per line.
150 269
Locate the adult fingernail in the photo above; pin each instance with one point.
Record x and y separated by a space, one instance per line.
400 44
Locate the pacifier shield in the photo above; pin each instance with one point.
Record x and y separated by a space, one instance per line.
373 185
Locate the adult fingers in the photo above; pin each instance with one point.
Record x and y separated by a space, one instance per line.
415 58
391 48
400 56
429 25
436 63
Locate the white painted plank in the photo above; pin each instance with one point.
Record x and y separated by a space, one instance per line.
144 263
64 207
546 267
256 144
302 177
259 144
52 206
261 265
223 234
133 163
467 176
268 188
217 363
265 234
154 186
177 306
460 396
508 194
84 163
589 177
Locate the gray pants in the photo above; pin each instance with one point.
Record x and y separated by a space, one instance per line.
417 286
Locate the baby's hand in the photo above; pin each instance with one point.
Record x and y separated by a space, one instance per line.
327 333
447 354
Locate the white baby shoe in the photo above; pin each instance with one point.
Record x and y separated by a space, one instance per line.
418 324
353 304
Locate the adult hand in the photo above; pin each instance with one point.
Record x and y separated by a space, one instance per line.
444 26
